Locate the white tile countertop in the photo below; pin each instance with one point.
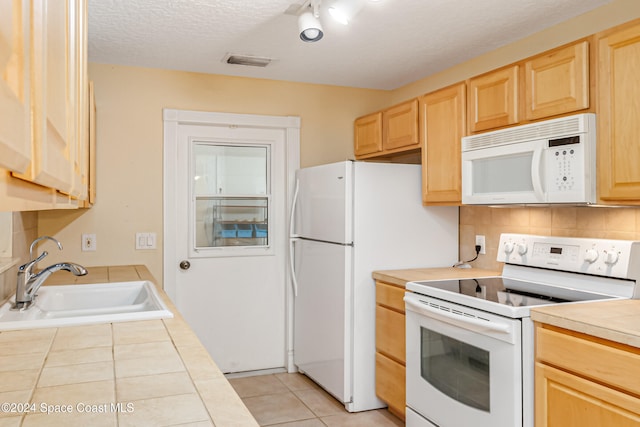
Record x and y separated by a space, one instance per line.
153 372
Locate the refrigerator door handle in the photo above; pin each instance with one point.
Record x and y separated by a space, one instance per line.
293 238
294 281
293 209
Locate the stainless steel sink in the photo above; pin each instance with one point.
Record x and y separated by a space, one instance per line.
68 305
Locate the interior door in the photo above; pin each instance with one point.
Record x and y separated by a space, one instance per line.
225 249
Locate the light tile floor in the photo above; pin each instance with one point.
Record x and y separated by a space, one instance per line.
293 400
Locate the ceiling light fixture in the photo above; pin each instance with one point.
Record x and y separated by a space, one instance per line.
309 24
344 10
308 14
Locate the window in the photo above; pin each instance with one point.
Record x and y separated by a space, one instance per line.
231 189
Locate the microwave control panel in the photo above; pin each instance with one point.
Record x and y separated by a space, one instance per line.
565 161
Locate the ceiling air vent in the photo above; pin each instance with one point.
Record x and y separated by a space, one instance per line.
250 61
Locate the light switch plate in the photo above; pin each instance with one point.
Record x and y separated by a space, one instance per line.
145 241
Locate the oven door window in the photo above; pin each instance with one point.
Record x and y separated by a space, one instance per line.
457 369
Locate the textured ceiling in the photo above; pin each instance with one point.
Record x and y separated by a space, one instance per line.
389 43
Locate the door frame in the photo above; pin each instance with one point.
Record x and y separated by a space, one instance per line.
172 119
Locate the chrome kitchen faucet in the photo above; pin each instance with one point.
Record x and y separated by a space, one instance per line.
29 282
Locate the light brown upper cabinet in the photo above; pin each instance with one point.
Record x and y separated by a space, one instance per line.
368 134
557 82
15 125
400 126
389 133
554 83
618 115
442 125
58 47
493 99
44 63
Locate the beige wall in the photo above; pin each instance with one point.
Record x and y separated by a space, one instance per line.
129 153
130 102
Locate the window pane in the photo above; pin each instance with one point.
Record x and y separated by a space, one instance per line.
459 370
228 169
231 222
231 192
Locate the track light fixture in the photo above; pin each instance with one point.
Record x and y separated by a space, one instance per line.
308 14
309 24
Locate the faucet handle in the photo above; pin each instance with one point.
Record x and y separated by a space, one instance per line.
29 265
33 244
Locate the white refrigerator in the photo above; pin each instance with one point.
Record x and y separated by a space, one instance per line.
349 219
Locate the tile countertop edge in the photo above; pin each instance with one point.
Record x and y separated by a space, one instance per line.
224 406
613 320
401 277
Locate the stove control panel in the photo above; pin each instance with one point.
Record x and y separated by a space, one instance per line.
612 258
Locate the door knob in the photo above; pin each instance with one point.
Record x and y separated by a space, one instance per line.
185 265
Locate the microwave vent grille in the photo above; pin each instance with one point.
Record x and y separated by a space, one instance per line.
543 130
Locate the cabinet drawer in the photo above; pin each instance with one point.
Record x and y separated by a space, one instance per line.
390 333
390 384
390 296
614 364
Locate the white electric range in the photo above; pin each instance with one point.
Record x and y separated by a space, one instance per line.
470 345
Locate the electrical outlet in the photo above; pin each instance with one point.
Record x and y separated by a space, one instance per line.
89 242
480 242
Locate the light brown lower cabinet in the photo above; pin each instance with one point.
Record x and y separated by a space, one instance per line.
583 381
390 347
390 387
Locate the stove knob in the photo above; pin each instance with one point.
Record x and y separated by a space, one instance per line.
508 248
611 258
522 248
591 256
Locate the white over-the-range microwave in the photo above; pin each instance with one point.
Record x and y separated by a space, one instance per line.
552 161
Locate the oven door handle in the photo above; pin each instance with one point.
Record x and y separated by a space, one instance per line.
455 319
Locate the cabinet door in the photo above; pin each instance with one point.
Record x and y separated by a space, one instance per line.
566 400
493 99
557 82
80 153
390 384
91 180
400 126
368 134
442 124
54 94
15 124
618 112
